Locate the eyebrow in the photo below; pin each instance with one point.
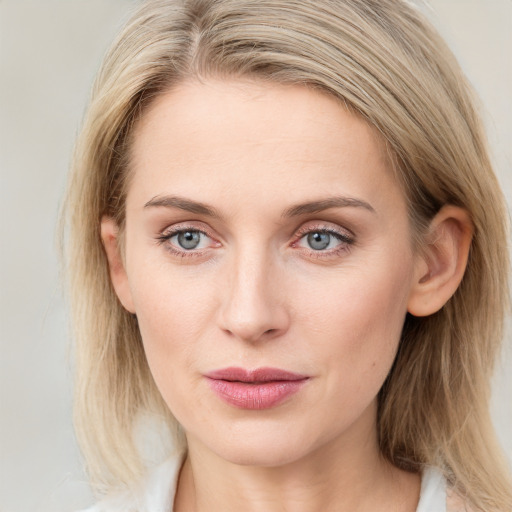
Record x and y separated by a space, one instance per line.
182 204
299 209
325 204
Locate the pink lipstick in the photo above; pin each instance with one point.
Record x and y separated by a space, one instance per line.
262 388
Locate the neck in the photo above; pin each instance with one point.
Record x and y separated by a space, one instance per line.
345 474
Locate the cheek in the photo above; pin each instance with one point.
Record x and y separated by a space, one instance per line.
169 319
170 326
358 323
360 305
172 310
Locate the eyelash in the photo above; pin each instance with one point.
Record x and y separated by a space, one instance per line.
345 241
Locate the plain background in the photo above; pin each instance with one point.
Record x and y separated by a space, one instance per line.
49 53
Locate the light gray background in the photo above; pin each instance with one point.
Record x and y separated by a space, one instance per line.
49 52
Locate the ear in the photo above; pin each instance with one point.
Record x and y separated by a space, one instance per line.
442 262
118 276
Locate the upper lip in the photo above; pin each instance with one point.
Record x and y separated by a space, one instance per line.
234 374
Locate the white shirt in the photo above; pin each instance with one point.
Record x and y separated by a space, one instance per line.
158 491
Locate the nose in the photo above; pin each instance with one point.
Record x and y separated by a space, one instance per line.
252 307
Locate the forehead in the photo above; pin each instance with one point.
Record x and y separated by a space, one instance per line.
255 139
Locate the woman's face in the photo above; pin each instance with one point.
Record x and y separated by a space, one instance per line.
269 263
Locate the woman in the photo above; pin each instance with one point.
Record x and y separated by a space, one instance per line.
287 242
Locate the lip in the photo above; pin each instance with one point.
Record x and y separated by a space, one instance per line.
258 389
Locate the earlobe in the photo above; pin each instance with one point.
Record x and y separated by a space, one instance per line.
441 265
118 275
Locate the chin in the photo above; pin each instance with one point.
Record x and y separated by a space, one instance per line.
273 446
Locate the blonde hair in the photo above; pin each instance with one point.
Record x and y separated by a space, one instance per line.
384 61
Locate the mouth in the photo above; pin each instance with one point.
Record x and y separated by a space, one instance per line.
258 389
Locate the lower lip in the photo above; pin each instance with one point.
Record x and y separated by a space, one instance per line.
255 395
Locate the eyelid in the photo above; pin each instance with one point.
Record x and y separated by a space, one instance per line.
181 227
326 227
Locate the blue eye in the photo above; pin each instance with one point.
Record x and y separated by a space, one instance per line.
188 240
318 241
324 241
183 240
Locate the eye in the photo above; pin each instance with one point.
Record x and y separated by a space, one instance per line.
189 239
318 241
186 241
323 241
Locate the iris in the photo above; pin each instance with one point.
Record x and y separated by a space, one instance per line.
318 240
189 239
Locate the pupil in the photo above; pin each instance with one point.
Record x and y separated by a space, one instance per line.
318 241
189 239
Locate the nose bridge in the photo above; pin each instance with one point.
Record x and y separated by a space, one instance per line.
252 308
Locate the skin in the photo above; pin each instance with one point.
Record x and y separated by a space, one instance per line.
254 293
